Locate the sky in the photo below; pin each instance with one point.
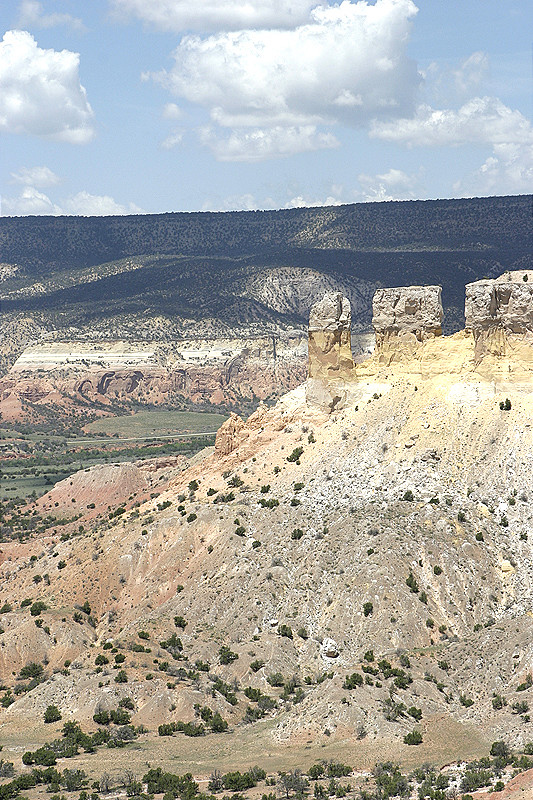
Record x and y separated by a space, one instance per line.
149 106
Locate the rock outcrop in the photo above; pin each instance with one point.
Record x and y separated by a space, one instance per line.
497 309
412 313
330 354
227 435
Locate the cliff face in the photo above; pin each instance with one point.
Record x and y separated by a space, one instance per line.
408 312
494 351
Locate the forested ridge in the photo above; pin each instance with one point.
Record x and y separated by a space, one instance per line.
81 271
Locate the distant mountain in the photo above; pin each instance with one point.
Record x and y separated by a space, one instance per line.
244 272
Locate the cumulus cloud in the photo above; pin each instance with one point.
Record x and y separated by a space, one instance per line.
31 202
215 15
172 111
35 176
301 202
471 72
391 185
32 15
480 120
93 205
346 65
508 171
242 202
40 91
259 144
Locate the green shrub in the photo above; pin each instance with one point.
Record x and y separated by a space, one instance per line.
412 584
368 609
226 655
295 455
353 681
297 534
285 630
31 670
52 714
37 608
415 737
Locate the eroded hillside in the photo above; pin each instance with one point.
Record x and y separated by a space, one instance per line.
349 565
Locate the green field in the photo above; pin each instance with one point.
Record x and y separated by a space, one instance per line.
45 459
157 423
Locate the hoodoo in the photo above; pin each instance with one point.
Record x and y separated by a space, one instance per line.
497 310
410 312
330 354
495 349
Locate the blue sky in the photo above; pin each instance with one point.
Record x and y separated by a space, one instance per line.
123 106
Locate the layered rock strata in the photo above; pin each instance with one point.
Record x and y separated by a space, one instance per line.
494 353
330 354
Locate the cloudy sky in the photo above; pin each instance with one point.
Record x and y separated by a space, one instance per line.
123 106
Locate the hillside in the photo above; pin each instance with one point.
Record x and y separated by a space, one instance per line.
349 566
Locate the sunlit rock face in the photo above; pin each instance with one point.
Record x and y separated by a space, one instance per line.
411 313
330 354
505 303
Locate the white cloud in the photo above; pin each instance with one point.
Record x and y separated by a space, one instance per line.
243 202
32 202
260 144
172 140
508 171
483 120
301 202
93 205
391 185
214 15
346 65
40 91
33 16
471 73
172 111
35 176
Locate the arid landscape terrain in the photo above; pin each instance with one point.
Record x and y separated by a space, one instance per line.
343 584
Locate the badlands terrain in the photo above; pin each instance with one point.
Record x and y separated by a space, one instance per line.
347 576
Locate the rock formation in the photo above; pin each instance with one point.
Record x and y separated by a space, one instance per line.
413 313
227 435
497 309
330 354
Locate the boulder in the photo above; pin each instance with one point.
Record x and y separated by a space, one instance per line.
329 648
409 312
330 354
